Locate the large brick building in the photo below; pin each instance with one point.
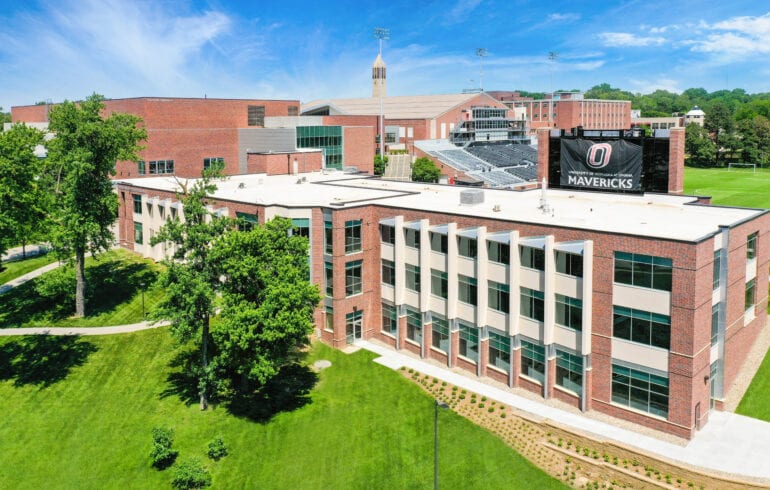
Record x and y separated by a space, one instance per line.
184 135
642 306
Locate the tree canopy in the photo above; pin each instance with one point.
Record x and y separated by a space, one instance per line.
81 159
424 170
24 197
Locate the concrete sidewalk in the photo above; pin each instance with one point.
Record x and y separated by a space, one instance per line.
729 443
133 327
26 277
16 253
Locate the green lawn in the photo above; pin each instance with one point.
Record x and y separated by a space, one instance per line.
116 298
12 270
79 412
737 187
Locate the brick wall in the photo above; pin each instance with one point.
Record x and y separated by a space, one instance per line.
283 163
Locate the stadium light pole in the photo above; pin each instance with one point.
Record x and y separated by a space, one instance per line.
481 53
552 57
436 406
380 33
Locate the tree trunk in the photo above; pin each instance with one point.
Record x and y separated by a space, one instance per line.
80 283
204 363
23 250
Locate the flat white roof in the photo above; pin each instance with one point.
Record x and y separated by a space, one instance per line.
650 215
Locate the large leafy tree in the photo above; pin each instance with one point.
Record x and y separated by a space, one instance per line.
424 170
755 139
698 145
720 124
82 157
24 197
191 280
268 303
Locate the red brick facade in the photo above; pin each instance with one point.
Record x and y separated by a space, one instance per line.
283 163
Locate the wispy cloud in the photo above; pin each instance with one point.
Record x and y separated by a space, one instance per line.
739 36
625 39
460 11
563 17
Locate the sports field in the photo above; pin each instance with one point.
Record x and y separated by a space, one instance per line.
736 187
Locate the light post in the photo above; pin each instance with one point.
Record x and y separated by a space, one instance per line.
552 57
142 285
481 53
436 406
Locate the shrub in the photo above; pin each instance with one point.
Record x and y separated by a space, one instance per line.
191 474
162 455
217 449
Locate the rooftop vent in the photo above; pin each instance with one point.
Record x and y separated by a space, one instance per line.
472 196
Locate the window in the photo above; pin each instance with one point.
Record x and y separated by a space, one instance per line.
387 234
438 242
140 167
499 296
138 233
328 238
717 267
353 236
750 293
329 272
499 252
389 319
751 246
353 278
500 351
532 304
388 272
329 322
246 221
438 283
469 342
643 270
533 361
412 238
413 325
714 324
466 247
570 264
256 115
440 335
293 110
569 312
137 203
642 327
412 277
532 258
300 227
215 160
466 289
161 166
569 371
640 390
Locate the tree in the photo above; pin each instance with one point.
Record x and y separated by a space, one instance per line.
5 117
267 303
755 139
698 146
719 123
424 170
190 279
82 157
24 198
380 162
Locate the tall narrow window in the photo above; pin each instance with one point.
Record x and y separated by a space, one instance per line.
388 272
413 325
467 289
137 203
569 312
389 319
533 360
750 295
499 297
532 304
714 324
138 233
140 167
412 277
717 267
751 246
328 238
353 278
412 238
387 234
500 351
469 342
440 333
352 236
329 278
438 283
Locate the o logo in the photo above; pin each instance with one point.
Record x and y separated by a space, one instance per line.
598 156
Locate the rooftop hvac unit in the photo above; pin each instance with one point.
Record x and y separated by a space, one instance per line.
472 196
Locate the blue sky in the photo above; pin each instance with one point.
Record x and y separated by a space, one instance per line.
307 50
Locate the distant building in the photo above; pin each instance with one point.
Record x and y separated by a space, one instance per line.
695 115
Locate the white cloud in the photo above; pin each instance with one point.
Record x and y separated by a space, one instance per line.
621 39
459 12
739 36
563 17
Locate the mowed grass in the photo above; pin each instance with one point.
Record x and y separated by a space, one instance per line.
756 401
116 299
85 422
17 268
736 187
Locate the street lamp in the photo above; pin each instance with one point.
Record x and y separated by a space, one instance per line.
143 314
436 406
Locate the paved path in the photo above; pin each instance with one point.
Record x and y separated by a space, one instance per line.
729 443
26 277
16 253
134 327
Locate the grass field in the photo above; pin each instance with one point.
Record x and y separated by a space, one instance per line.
737 187
116 298
17 268
80 416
